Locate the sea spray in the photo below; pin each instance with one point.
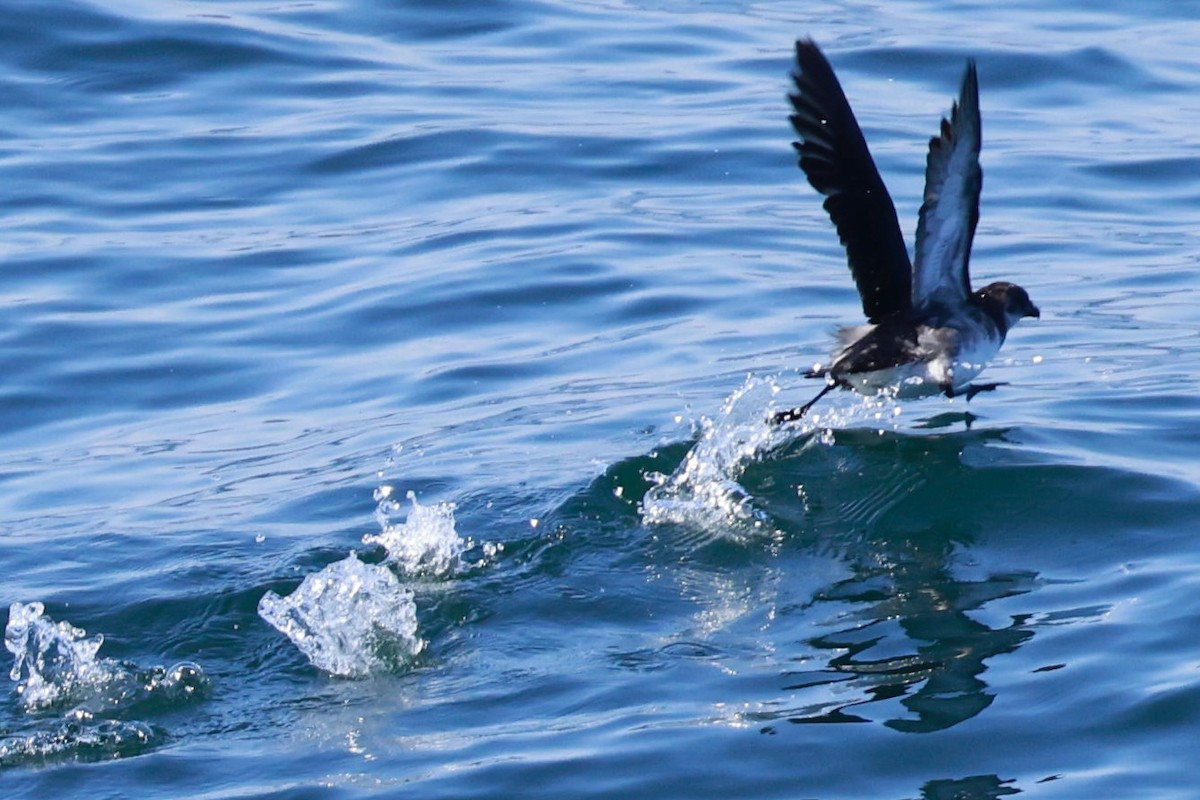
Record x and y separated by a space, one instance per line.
49 659
353 618
349 619
704 490
57 666
426 543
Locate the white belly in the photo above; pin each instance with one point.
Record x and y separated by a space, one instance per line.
925 378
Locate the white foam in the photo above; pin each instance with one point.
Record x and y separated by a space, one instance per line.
350 619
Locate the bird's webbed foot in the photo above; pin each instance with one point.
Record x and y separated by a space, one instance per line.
972 389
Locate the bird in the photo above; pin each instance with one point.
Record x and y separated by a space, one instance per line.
928 332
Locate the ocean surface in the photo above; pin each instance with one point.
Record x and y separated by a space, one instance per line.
384 397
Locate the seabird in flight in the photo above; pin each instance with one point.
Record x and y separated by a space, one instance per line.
928 331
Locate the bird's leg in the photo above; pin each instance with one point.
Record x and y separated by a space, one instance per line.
796 413
973 389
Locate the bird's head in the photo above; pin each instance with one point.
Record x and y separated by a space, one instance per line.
1007 303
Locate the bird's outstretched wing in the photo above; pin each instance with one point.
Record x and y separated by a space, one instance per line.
834 156
950 212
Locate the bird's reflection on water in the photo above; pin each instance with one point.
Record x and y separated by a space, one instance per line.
897 508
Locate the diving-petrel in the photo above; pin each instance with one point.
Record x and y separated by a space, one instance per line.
928 332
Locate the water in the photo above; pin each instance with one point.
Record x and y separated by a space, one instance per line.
270 268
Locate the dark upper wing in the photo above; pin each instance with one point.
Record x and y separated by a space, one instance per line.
953 180
834 156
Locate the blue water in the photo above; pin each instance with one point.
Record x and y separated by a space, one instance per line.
268 268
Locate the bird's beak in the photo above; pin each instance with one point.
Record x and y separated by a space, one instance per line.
1033 312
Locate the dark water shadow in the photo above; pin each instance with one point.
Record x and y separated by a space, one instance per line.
974 787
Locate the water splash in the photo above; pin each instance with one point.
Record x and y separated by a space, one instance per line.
353 619
350 619
79 739
426 543
57 665
50 659
704 490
